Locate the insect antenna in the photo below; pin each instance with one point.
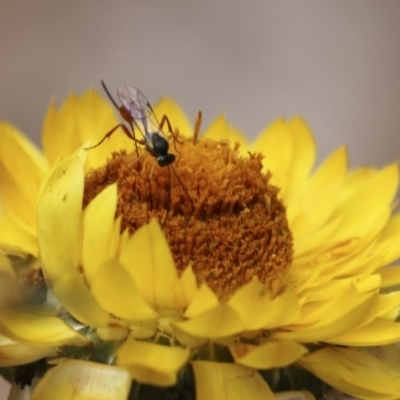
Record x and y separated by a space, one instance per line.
109 94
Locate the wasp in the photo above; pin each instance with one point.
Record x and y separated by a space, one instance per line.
136 110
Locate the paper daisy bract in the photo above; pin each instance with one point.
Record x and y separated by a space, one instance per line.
243 272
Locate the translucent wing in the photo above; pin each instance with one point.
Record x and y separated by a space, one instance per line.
135 102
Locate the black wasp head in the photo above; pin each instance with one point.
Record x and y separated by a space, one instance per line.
159 149
165 159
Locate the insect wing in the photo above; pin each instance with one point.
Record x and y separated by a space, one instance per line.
133 100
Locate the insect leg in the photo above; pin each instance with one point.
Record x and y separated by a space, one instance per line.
183 187
197 126
134 139
165 120
169 199
108 134
129 120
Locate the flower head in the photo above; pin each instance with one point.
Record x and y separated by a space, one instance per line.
235 271
217 209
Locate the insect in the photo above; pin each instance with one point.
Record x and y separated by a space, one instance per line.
138 113
135 110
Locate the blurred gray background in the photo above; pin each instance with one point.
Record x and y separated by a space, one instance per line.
335 62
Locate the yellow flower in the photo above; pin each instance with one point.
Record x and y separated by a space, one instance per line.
240 265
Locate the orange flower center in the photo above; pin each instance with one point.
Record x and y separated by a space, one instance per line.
217 209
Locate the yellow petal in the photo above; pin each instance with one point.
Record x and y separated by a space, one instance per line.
317 195
97 244
188 284
60 131
271 354
176 116
389 239
290 153
365 207
369 284
112 333
148 260
60 219
391 228
252 302
219 322
76 298
22 169
204 300
276 143
6 267
37 327
389 302
14 353
352 257
83 380
307 246
15 239
322 313
379 332
285 309
152 363
303 154
345 313
187 340
390 276
143 329
221 131
115 291
80 119
354 372
389 355
9 290
30 159
294 395
324 291
225 381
